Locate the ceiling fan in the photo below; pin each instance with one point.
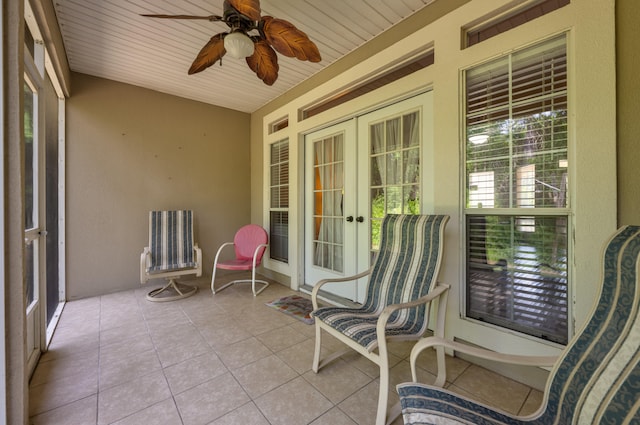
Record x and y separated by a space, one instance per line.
253 37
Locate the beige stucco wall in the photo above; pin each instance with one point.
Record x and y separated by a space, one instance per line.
131 150
628 109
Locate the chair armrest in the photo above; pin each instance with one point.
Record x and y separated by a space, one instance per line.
198 252
144 261
316 287
439 290
215 261
482 353
255 254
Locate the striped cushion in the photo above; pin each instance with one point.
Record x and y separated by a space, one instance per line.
171 240
422 404
405 269
597 380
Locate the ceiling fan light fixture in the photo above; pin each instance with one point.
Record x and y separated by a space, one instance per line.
238 45
268 35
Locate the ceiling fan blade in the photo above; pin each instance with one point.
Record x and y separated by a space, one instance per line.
211 18
289 40
209 54
249 8
264 62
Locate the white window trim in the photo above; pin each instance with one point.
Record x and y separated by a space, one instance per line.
286 141
275 137
3 284
514 210
584 277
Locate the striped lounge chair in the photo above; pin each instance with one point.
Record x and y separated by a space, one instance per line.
171 253
596 380
402 286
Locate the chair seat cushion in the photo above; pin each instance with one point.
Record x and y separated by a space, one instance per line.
423 404
237 264
172 267
360 324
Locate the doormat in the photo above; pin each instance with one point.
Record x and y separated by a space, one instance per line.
295 306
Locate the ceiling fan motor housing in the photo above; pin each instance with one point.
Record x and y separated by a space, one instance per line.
236 20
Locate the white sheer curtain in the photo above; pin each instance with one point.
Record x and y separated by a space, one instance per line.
377 148
395 146
412 160
320 246
329 191
337 237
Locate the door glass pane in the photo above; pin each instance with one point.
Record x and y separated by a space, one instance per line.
52 219
29 170
394 199
30 195
30 271
411 199
376 135
411 161
394 169
338 202
377 203
328 203
410 130
393 134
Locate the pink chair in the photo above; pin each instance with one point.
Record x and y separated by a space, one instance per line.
250 242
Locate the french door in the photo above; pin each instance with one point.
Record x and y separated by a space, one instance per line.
330 205
356 172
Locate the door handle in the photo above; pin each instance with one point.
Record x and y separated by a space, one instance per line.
360 219
349 219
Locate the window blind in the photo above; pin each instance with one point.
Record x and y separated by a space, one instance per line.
280 174
517 278
279 235
279 201
516 191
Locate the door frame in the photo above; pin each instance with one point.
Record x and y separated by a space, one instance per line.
39 68
35 69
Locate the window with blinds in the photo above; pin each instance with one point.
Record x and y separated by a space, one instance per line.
516 185
279 204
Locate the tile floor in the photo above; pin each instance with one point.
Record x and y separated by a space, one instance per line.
223 359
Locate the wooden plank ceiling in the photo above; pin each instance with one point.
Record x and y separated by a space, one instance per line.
109 39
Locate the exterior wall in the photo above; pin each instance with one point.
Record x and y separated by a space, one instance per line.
628 108
131 150
593 172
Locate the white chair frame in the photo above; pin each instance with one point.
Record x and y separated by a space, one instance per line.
253 279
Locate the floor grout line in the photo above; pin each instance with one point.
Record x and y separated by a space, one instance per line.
116 311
